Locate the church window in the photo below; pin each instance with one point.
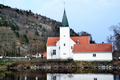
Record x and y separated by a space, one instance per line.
59 47
64 53
71 47
64 44
94 55
64 35
54 52
54 77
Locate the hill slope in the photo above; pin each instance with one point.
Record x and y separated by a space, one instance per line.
29 27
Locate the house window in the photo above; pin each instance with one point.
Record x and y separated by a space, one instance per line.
64 44
54 52
94 55
71 47
64 35
59 47
95 78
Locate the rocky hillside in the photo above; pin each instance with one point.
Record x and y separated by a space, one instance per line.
29 26
28 21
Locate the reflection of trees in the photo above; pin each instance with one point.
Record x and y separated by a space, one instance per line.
22 75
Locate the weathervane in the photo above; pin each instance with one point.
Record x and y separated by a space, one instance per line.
64 4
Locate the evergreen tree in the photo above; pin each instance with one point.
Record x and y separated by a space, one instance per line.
5 23
36 33
26 38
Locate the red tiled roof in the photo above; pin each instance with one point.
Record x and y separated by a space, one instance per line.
29 55
44 54
52 41
103 47
82 40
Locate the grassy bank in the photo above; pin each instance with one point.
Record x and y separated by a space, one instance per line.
57 63
4 65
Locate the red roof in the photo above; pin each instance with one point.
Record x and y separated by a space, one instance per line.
44 54
52 41
82 40
103 47
29 55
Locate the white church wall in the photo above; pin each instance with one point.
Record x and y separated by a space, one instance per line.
71 45
64 42
88 56
58 50
50 52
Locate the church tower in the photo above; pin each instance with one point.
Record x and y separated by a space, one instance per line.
64 38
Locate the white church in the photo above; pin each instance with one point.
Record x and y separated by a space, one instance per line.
77 47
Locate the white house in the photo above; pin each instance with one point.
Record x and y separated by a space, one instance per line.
77 47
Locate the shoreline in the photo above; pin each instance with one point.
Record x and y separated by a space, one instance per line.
58 64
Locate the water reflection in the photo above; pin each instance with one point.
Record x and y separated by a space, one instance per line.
116 77
57 76
80 77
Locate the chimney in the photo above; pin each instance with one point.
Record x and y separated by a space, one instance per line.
77 41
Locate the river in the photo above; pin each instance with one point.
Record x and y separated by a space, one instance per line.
41 75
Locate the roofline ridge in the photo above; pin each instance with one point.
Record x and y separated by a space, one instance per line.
79 36
53 37
93 44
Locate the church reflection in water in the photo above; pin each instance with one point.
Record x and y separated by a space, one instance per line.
81 77
58 76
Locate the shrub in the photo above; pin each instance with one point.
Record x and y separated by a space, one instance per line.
17 34
5 23
26 38
36 33
40 26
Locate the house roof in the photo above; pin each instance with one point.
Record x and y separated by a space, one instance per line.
29 55
82 40
52 41
44 54
103 47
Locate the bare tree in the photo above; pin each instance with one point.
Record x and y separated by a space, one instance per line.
115 38
83 33
6 38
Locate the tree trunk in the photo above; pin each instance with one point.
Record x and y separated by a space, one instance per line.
4 57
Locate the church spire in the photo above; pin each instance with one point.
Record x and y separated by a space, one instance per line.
64 20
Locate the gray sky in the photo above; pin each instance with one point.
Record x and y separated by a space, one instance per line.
92 16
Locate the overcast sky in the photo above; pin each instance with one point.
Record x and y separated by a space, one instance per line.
92 16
